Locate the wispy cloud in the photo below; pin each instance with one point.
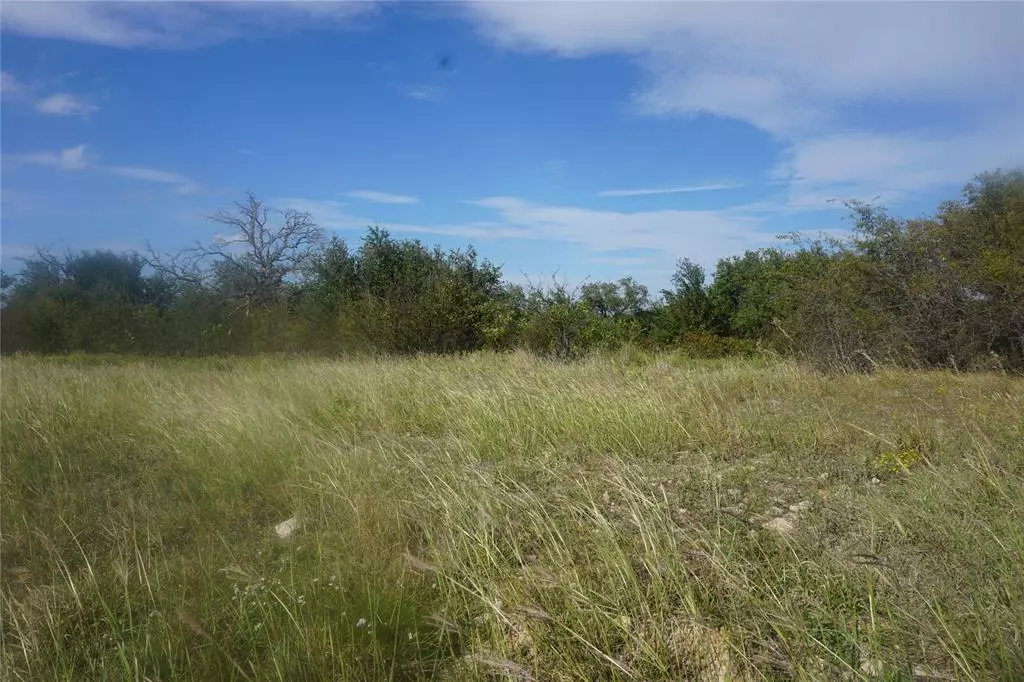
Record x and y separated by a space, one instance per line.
664 190
64 104
181 183
381 197
703 234
425 93
328 214
70 159
893 166
807 78
171 24
55 104
76 159
644 242
618 260
612 237
10 86
760 61
147 174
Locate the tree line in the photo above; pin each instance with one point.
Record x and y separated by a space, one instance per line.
945 290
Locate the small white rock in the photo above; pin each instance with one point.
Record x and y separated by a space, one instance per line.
286 527
872 667
780 525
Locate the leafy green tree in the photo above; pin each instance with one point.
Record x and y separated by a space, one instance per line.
941 291
95 301
559 323
624 298
688 307
982 243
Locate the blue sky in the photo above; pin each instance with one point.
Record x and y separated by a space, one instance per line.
594 139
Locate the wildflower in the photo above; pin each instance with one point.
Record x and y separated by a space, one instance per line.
894 462
361 623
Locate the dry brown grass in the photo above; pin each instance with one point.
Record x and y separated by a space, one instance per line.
493 515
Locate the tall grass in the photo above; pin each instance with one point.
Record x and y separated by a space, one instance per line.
499 516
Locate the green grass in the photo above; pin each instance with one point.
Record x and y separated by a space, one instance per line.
487 516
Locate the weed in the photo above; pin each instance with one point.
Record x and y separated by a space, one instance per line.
499 515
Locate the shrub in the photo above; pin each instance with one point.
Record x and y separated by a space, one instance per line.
712 346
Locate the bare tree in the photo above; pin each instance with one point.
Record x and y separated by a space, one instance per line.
182 268
251 262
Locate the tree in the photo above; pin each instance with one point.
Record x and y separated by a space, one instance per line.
254 260
687 307
94 300
623 298
746 293
981 242
945 291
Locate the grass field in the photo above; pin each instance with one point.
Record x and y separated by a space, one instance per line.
499 516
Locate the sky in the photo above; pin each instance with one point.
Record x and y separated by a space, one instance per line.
581 140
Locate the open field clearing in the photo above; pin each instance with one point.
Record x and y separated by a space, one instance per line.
498 516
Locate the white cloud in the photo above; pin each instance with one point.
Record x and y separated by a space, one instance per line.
171 24
75 159
644 239
618 260
188 188
477 231
809 73
704 234
72 158
148 174
664 190
330 215
865 164
64 104
10 85
735 58
700 234
181 184
381 197
56 104
759 100
425 93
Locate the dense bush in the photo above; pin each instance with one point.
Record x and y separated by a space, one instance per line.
940 291
712 346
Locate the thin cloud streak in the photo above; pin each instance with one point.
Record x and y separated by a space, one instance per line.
64 104
643 192
381 197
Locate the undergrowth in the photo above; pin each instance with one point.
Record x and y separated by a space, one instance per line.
491 516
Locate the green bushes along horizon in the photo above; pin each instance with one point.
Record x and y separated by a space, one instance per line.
939 291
